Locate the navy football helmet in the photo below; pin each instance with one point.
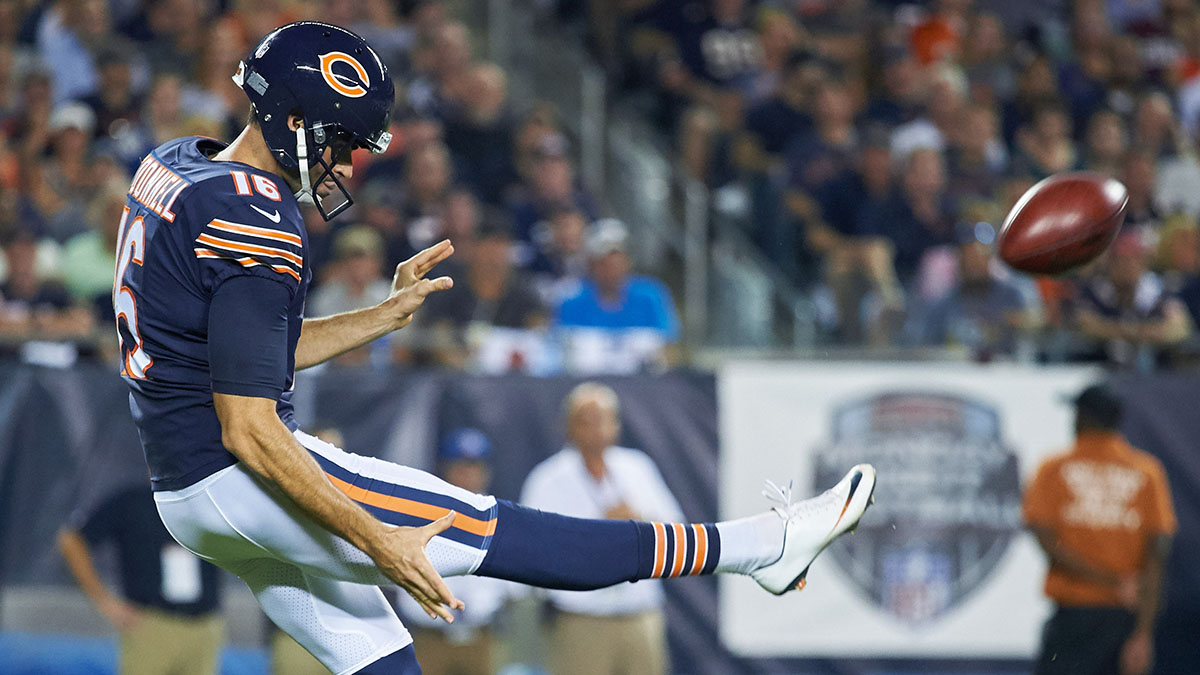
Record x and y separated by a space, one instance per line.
333 80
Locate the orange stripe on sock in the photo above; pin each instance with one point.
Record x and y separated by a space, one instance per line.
680 549
483 528
701 549
660 549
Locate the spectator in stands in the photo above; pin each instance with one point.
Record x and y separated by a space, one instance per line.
89 258
918 217
1036 85
67 34
428 174
62 183
983 313
899 99
977 158
617 630
115 100
1044 146
986 62
460 220
213 93
1125 312
167 610
491 319
441 63
940 120
480 134
786 115
560 263
778 38
467 646
617 322
1105 143
1102 514
357 282
535 127
817 158
37 309
859 280
1154 128
715 41
551 186
1138 173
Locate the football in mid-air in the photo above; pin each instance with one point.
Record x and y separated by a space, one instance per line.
1063 222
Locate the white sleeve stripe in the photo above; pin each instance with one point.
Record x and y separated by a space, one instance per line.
240 247
254 231
245 262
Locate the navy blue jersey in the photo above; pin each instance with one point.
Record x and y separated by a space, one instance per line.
192 224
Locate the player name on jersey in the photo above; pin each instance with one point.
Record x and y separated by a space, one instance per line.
155 186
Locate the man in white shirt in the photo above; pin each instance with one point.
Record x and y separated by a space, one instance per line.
618 629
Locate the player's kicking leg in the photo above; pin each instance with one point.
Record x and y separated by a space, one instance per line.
318 588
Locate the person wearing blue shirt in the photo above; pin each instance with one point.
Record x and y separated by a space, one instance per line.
618 322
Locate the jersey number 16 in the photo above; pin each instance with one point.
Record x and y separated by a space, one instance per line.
131 248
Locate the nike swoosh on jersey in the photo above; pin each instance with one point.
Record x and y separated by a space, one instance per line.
273 216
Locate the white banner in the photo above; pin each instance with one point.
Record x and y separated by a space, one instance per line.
940 566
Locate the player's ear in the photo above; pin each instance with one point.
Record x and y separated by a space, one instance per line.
295 122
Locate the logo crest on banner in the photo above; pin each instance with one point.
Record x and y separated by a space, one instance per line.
948 501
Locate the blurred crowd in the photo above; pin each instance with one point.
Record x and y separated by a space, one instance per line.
88 87
871 149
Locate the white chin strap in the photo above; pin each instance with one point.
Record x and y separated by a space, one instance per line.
305 194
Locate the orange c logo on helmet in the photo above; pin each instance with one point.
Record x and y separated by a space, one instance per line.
341 83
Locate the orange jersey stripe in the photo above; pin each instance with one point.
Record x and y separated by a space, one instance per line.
660 549
483 528
680 546
701 549
244 262
250 248
253 231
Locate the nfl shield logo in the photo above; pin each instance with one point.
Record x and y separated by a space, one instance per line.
948 501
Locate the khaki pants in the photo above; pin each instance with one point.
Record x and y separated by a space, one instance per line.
439 656
608 645
168 644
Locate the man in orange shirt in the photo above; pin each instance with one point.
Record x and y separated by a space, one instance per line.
1102 513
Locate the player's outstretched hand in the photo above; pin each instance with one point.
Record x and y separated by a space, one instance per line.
409 285
401 557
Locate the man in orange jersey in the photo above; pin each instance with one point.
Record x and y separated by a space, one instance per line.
1102 513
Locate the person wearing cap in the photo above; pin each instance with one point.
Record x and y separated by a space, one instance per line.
467 646
617 322
1124 314
1102 513
618 630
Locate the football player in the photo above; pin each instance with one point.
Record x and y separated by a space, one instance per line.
212 272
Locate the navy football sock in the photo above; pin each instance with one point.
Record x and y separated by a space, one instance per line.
554 551
403 662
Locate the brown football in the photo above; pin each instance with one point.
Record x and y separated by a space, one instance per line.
1063 222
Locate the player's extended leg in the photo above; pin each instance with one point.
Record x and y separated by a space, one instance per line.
500 539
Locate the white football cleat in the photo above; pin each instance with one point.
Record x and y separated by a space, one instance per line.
813 524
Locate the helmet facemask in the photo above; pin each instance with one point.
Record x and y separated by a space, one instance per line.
310 150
